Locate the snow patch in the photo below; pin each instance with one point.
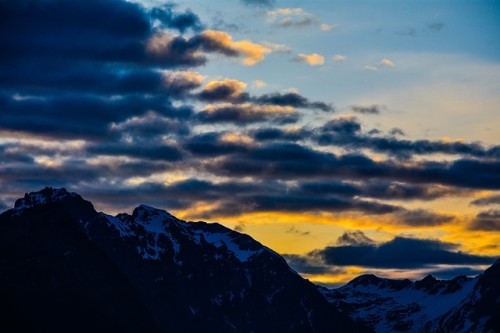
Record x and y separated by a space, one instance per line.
226 239
122 227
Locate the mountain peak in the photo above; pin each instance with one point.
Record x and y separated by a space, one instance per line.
148 213
45 196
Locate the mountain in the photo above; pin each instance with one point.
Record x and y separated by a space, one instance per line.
66 268
459 305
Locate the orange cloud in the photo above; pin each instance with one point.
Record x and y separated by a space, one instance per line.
313 59
173 79
253 53
387 63
259 84
252 108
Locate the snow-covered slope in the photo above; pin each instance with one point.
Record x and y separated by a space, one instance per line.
429 305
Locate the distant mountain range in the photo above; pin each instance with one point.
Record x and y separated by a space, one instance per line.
459 305
66 268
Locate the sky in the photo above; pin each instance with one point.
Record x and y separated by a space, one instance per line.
351 137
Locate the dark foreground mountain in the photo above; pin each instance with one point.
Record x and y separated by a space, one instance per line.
430 305
66 268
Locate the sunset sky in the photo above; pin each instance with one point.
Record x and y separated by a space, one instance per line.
349 136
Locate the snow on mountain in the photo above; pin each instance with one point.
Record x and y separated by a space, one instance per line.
429 305
158 222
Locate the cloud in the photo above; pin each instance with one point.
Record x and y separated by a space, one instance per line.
252 53
401 252
326 27
168 49
272 14
371 68
339 58
378 189
487 221
258 84
232 91
372 109
79 29
387 63
246 113
296 18
178 83
176 51
279 134
225 90
289 22
310 265
212 144
312 59
422 217
346 132
354 238
486 201
277 48
293 230
292 99
448 273
218 23
294 161
396 131
148 126
275 202
180 21
345 125
160 152
89 116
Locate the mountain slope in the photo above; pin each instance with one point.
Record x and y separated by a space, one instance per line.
479 312
66 267
430 305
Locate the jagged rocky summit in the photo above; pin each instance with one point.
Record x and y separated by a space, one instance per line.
66 268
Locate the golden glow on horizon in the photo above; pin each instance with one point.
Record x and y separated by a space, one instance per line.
340 277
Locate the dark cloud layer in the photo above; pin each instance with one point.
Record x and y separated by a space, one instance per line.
242 114
292 99
347 133
401 252
491 200
422 217
294 161
487 221
354 248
